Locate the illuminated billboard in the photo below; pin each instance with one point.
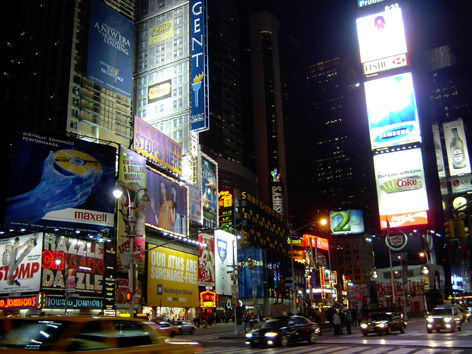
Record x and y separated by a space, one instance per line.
438 151
152 143
226 255
346 222
209 191
198 67
59 181
21 270
172 278
167 208
363 3
111 49
206 259
401 188
456 148
391 110
251 281
381 35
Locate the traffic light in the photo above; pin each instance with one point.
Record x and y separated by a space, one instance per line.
250 263
449 229
460 231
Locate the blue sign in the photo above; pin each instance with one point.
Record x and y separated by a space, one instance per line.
58 181
198 67
111 49
251 281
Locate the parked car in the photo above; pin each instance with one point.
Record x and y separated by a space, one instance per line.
444 317
184 326
384 323
282 331
68 334
164 328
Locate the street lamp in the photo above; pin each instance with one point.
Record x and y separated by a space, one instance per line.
118 193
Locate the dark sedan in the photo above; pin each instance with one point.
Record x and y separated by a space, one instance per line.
384 323
282 331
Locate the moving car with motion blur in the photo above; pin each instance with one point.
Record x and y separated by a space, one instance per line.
384 323
164 328
70 334
444 317
282 331
184 326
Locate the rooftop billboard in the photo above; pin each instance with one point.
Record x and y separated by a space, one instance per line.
381 35
111 49
391 110
401 188
346 222
456 148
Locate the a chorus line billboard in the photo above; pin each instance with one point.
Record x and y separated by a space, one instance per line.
346 222
381 35
58 181
456 148
167 209
111 49
391 110
401 188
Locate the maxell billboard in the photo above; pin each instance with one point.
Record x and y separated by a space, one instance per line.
401 188
391 110
58 181
198 66
111 49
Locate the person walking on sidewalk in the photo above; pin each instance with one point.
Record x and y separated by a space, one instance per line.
348 320
336 323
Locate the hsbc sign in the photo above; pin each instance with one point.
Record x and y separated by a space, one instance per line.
394 62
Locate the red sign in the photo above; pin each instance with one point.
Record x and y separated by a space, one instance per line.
315 242
208 299
21 303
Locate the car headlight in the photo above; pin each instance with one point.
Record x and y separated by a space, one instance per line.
447 319
249 335
364 325
271 334
382 325
429 319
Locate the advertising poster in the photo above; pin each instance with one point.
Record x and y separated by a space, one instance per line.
461 184
381 35
206 260
195 203
57 181
199 111
122 287
86 258
21 263
225 250
346 222
161 32
401 188
251 281
167 208
111 49
132 174
150 142
391 110
438 151
159 91
172 278
209 192
456 147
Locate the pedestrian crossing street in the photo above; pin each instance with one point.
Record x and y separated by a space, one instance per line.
338 349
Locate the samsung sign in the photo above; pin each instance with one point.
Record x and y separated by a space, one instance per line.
198 67
363 3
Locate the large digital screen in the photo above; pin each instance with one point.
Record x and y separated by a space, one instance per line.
381 35
346 222
391 110
456 148
251 281
111 49
209 191
401 188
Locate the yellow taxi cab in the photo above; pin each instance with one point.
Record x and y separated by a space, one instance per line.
87 334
